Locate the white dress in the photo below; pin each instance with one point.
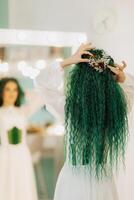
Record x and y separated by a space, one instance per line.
17 180
73 184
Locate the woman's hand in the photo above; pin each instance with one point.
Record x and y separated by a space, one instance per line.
76 58
118 70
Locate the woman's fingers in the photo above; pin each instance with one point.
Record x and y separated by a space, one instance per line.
114 70
87 46
124 64
87 53
83 49
84 60
118 67
121 66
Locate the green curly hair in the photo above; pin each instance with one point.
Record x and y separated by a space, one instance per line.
95 118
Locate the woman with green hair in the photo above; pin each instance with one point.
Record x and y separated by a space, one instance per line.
94 108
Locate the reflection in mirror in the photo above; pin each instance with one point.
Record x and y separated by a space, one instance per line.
44 135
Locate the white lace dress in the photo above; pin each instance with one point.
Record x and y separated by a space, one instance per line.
17 181
73 184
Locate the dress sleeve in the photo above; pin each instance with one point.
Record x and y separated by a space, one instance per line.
128 87
50 83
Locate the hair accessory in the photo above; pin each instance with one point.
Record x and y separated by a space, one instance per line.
99 64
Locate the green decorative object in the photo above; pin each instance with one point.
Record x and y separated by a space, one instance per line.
15 135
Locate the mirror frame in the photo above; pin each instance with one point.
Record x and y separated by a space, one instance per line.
41 38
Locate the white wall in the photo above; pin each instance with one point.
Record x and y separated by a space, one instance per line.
78 15
50 14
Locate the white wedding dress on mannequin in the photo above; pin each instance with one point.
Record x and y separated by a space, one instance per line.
73 184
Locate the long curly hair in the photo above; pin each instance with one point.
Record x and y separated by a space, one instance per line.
3 83
95 118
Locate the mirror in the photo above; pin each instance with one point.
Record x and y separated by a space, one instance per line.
23 55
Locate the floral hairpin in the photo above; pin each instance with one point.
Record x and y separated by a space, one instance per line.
99 64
